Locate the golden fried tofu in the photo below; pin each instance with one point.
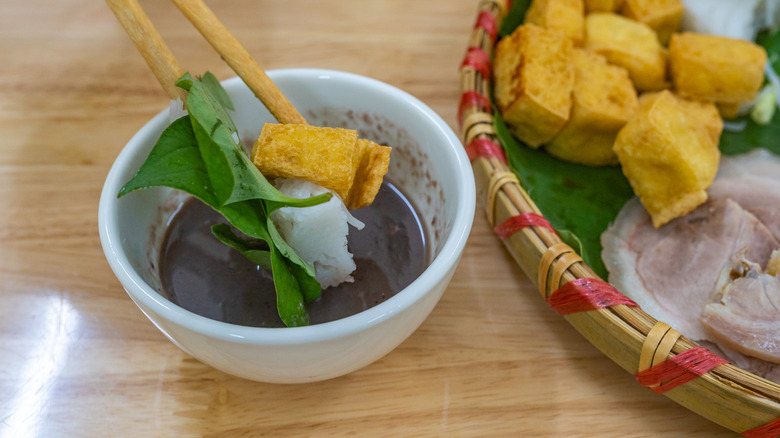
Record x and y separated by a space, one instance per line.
533 82
374 160
603 100
663 16
668 157
602 6
706 113
716 69
728 110
629 44
331 157
566 16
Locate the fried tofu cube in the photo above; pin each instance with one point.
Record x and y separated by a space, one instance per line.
331 157
602 6
663 16
629 44
374 161
668 157
533 81
728 110
324 156
603 101
716 69
706 113
565 16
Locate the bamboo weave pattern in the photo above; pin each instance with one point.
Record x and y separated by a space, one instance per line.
755 408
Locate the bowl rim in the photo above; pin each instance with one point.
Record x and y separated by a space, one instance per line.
435 272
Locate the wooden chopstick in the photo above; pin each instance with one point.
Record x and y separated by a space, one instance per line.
150 44
167 71
239 60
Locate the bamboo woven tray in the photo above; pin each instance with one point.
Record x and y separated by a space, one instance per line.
725 394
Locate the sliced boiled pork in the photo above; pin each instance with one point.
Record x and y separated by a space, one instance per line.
743 314
673 272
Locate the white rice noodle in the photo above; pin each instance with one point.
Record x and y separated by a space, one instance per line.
318 234
176 110
769 15
734 126
730 18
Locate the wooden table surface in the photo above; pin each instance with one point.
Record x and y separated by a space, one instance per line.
77 357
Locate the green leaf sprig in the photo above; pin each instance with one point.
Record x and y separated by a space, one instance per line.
201 154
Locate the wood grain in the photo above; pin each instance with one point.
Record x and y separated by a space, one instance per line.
77 358
231 50
150 45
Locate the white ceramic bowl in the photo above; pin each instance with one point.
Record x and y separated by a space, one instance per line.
429 165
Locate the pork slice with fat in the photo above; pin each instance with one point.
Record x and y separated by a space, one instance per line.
744 314
672 272
759 195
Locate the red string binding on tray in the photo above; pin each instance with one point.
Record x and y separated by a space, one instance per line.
585 294
477 59
770 430
472 99
679 369
484 147
487 21
520 221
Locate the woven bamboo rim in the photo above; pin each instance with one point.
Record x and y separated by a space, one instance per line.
727 395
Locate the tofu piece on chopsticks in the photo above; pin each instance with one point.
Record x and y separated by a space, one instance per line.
333 158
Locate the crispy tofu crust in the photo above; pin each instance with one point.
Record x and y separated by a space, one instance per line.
728 110
374 161
663 16
602 6
565 16
603 101
706 113
629 44
331 157
716 69
668 157
533 81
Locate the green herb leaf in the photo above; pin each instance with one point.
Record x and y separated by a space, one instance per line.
174 162
233 175
202 155
579 201
303 271
514 17
250 218
310 287
255 250
753 136
215 89
247 216
771 43
289 299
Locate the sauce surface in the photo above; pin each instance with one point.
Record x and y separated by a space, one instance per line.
204 276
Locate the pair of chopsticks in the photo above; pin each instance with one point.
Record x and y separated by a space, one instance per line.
167 70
